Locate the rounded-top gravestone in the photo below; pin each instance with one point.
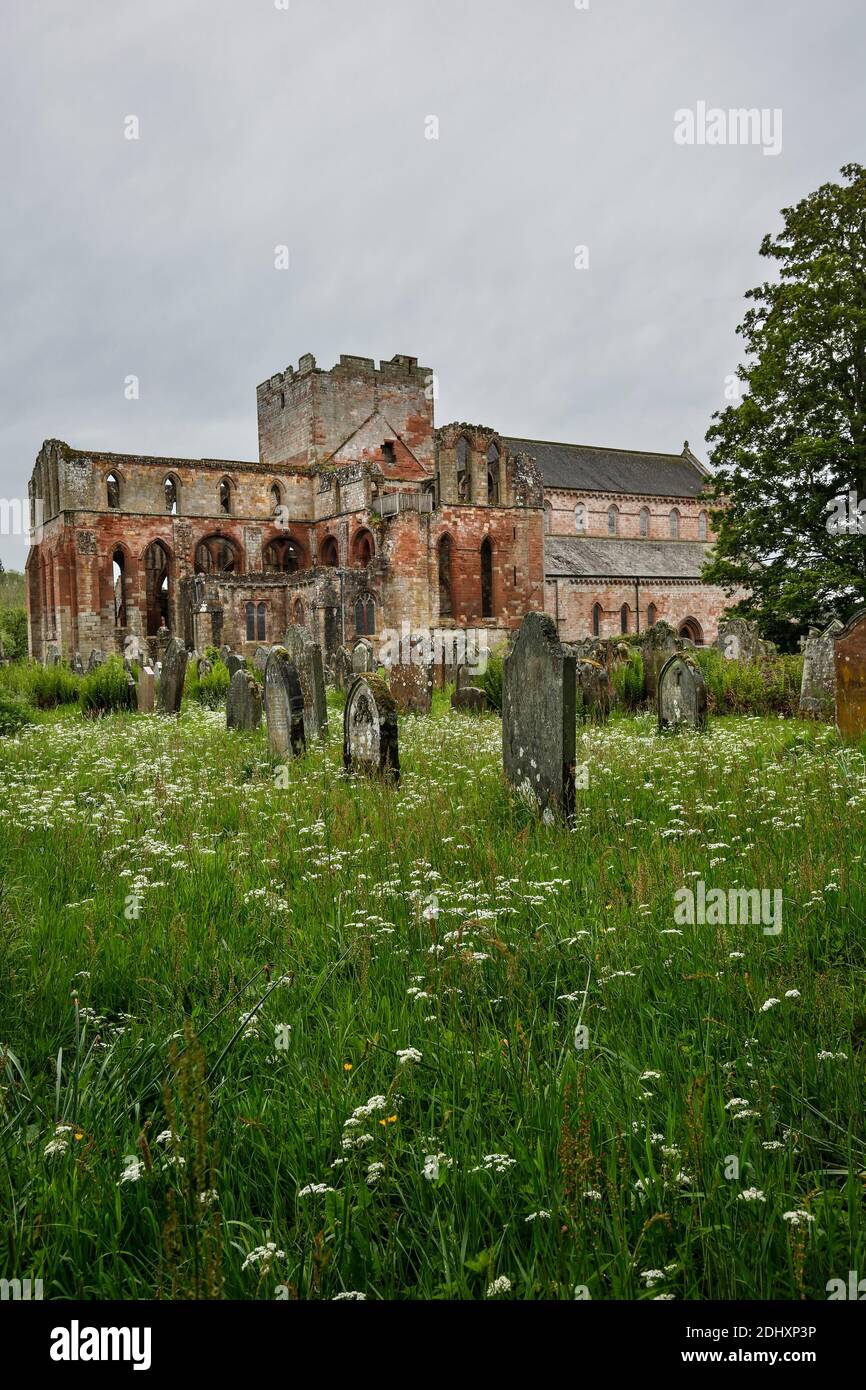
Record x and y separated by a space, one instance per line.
370 729
682 695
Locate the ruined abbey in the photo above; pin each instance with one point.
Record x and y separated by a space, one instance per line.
360 516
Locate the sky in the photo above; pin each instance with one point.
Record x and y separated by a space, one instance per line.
432 169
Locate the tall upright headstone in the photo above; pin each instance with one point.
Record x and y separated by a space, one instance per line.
818 687
260 658
592 693
233 662
243 702
144 690
850 657
370 729
172 676
538 716
738 640
284 705
306 654
412 686
362 657
682 695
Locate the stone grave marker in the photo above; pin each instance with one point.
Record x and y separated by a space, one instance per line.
306 654
341 668
850 661
78 664
145 689
738 640
243 702
818 688
95 659
203 667
682 695
171 679
260 658
52 655
469 698
412 686
538 717
370 730
233 663
284 705
657 644
362 657
592 692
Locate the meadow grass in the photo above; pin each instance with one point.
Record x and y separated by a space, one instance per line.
319 1040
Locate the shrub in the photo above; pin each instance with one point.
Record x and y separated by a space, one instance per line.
14 713
211 690
628 680
491 680
771 686
107 689
13 631
53 685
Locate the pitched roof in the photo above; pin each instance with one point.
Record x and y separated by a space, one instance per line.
588 468
594 558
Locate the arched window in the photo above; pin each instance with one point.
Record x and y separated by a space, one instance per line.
446 558
329 554
486 578
112 491
157 587
624 618
276 497
261 629
702 526
118 575
580 515
596 620
464 476
674 521
282 556
612 521
171 494
225 496
548 518
362 549
216 555
651 615
365 617
251 622
644 521
493 476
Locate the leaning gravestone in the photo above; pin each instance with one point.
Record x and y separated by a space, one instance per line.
171 679
538 716
370 730
306 654
144 690
362 657
412 686
850 656
818 688
243 702
682 697
469 698
233 663
284 705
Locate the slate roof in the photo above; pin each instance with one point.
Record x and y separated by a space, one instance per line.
597 558
587 468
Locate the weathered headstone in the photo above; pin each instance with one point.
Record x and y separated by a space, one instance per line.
171 679
818 688
470 698
592 692
370 729
234 663
306 654
341 668
243 702
78 664
738 640
682 695
850 660
203 667
657 644
362 657
95 659
284 705
134 649
225 653
144 690
412 687
52 655
260 658
538 716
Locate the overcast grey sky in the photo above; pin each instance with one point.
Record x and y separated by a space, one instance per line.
307 127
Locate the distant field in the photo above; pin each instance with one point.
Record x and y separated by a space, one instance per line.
326 1040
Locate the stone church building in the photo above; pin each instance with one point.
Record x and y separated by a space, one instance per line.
358 517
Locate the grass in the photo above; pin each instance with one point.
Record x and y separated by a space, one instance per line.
204 975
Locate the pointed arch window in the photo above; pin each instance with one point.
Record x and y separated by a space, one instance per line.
596 619
674 523
644 522
118 575
261 625
486 578
329 553
112 491
493 475
446 570
170 491
365 617
624 618
651 615
225 497
276 497
251 622
702 526
464 476
612 521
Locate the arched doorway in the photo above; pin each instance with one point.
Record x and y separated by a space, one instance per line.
692 629
157 587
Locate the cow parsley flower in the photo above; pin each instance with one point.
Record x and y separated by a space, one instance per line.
500 1285
751 1194
263 1253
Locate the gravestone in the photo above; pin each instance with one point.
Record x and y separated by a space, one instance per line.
538 716
52 655
144 690
243 703
592 692
412 687
225 653
818 688
260 658
370 730
850 661
284 705
341 668
682 695
362 657
171 679
470 698
657 644
234 663
738 640
78 664
134 649
306 654
203 667
94 660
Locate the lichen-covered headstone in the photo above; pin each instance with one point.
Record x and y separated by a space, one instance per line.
470 699
203 667
412 686
260 658
370 730
362 657
682 695
850 659
818 687
738 640
144 690
284 705
341 668
233 663
538 717
657 644
171 678
52 655
243 702
592 691
306 654
78 664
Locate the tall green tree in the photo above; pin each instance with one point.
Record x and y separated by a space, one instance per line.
787 453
